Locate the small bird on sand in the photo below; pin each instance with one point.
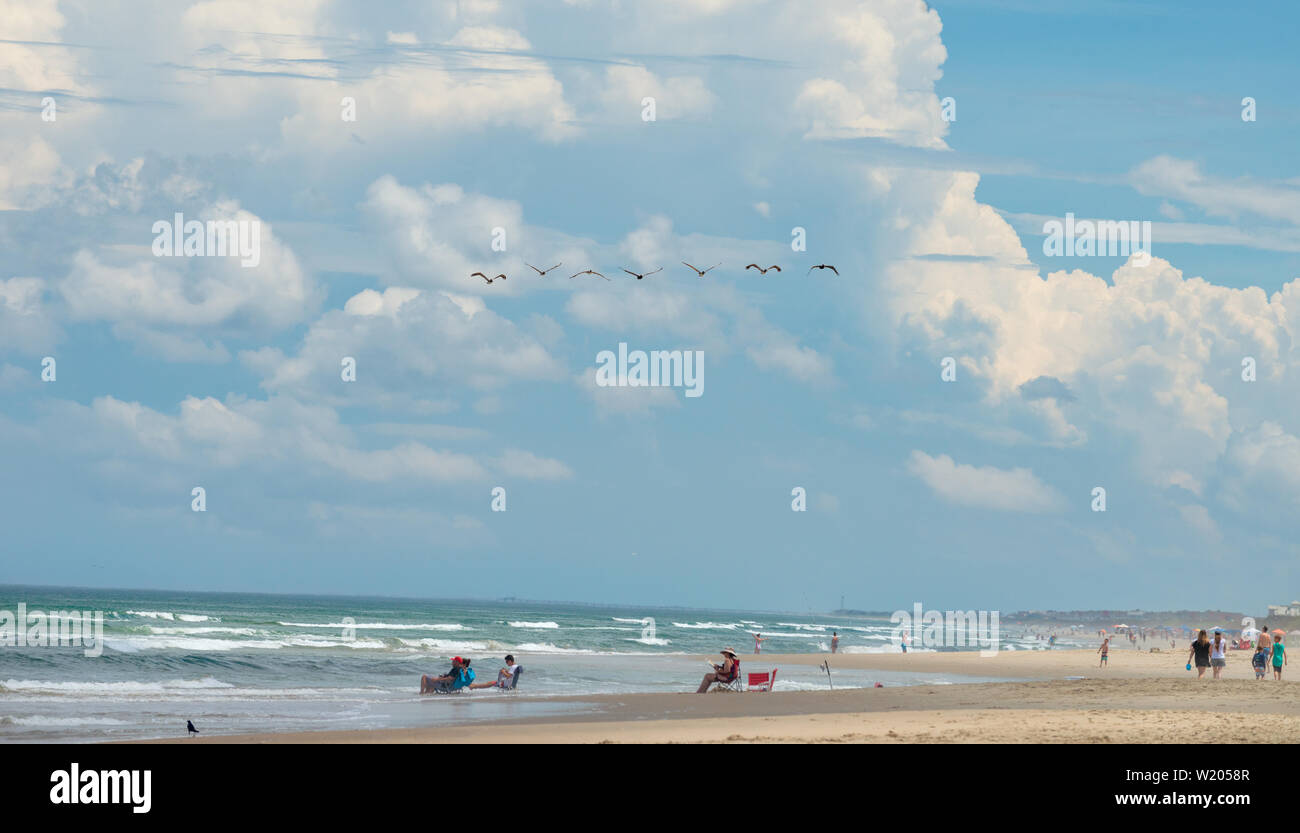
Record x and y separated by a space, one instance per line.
189 724
639 277
823 266
698 272
761 269
588 272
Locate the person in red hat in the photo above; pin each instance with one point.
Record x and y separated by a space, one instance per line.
429 683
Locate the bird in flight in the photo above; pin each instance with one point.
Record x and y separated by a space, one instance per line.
485 277
639 277
761 269
823 266
698 272
542 271
588 272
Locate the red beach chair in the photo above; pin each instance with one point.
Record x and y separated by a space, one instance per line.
761 681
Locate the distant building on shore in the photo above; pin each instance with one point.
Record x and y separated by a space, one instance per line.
1292 609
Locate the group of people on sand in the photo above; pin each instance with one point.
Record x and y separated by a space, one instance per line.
1206 653
461 676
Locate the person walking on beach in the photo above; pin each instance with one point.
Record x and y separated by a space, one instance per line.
1218 653
1279 657
1201 652
1266 641
1259 662
758 642
835 641
1104 650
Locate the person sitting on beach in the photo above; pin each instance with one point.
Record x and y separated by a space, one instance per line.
504 676
466 677
727 672
446 681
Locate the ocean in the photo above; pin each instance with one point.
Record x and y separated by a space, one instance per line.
240 662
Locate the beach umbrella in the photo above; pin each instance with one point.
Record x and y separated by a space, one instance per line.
1279 632
1250 633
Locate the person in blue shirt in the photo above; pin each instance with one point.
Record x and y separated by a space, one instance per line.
464 678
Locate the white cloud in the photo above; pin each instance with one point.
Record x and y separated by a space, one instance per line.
402 339
26 325
678 97
985 487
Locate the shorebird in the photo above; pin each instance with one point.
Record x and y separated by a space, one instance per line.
189 725
588 272
639 277
542 271
486 278
761 269
698 272
823 266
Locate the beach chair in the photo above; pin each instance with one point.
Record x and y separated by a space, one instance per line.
762 681
734 685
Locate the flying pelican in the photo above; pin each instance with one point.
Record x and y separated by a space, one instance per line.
485 277
542 272
698 272
588 272
639 277
823 266
761 269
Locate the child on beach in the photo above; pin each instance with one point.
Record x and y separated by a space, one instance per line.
1259 662
1279 657
1104 650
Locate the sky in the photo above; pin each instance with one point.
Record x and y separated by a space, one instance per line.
920 149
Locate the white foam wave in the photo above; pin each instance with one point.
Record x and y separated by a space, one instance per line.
388 626
172 617
537 626
124 687
40 721
133 644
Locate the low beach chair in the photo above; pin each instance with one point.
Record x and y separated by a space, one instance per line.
762 681
734 685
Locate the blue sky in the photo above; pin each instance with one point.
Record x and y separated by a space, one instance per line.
1072 373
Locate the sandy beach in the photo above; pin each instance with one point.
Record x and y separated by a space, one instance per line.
1142 697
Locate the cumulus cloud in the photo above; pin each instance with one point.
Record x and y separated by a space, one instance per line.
162 301
402 340
985 487
283 434
678 97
